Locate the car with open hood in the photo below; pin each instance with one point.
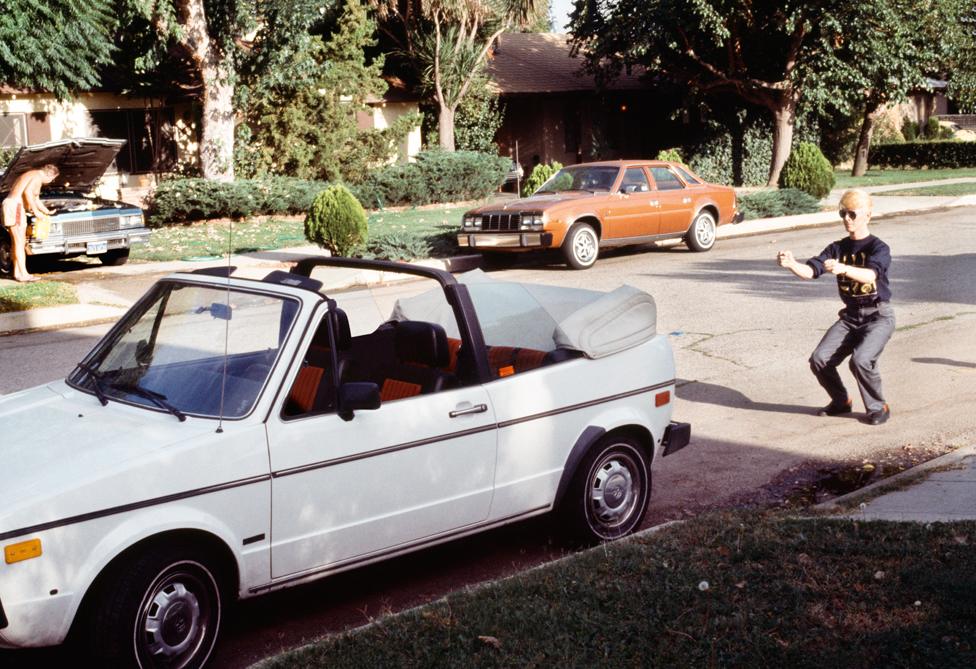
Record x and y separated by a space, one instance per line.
82 223
234 435
590 206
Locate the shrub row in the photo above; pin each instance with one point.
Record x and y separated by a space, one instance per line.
782 202
192 199
436 176
934 154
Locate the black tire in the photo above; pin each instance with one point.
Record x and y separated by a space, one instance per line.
115 257
162 608
701 235
608 496
6 254
581 246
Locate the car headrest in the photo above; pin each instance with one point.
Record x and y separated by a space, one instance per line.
340 325
422 343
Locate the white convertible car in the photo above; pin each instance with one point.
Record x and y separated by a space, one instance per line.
232 436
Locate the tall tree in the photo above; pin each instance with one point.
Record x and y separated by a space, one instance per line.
768 53
449 41
892 45
54 46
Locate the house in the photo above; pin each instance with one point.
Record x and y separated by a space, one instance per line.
553 112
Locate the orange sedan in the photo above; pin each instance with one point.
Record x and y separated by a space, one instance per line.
586 207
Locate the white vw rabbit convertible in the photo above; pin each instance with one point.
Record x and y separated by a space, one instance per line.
231 436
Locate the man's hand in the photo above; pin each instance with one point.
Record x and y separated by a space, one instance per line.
834 267
785 259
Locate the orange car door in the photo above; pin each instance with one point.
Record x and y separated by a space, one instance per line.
676 202
637 204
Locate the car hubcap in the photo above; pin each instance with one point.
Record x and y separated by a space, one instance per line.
615 491
705 231
175 620
584 246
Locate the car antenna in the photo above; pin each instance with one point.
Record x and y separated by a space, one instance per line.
223 377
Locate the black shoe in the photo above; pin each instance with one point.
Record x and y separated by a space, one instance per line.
879 417
833 409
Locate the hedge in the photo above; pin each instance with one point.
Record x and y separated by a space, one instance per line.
436 176
781 202
933 154
182 200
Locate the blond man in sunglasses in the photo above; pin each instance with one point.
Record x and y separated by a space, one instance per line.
860 262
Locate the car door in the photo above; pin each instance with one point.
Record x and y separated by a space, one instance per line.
638 207
676 203
413 470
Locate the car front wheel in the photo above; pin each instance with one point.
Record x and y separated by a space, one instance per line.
701 234
115 257
581 247
162 609
609 492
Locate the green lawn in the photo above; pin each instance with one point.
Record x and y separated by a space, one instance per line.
208 239
947 190
723 590
22 296
885 177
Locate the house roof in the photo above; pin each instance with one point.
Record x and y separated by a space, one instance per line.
541 63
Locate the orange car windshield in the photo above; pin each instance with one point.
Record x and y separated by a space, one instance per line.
578 177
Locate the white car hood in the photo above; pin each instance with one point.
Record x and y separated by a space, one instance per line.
59 446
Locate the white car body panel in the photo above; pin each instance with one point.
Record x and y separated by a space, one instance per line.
298 498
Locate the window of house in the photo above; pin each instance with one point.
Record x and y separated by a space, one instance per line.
149 147
665 179
13 130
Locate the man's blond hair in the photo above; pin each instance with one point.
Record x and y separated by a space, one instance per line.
51 169
855 199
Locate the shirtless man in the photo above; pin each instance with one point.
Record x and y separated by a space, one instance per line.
25 196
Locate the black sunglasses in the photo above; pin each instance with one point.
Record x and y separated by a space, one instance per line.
844 213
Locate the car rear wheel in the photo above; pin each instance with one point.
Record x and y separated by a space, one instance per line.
609 492
6 254
162 609
701 234
115 257
581 246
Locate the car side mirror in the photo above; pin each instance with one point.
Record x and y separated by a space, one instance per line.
355 396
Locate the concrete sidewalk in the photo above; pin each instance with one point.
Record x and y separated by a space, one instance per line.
940 490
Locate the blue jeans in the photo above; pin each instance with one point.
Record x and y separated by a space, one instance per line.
862 334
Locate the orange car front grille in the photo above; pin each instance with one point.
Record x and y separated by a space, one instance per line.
501 222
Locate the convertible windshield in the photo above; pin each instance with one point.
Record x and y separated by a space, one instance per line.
172 352
591 178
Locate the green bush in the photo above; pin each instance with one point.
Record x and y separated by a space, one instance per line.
336 221
909 129
919 154
541 173
191 199
672 155
712 158
436 176
808 170
782 202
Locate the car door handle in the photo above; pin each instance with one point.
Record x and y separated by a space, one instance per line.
477 408
654 203
685 200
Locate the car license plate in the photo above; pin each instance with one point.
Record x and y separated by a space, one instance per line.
94 248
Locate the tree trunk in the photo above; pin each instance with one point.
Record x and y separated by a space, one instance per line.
216 72
784 116
864 141
217 136
445 127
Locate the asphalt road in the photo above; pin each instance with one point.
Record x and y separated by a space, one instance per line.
742 330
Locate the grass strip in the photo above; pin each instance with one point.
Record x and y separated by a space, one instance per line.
895 176
947 190
23 296
211 238
723 590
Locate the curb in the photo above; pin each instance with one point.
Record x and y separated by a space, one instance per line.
935 463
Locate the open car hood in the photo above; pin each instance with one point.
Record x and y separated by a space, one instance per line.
82 162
